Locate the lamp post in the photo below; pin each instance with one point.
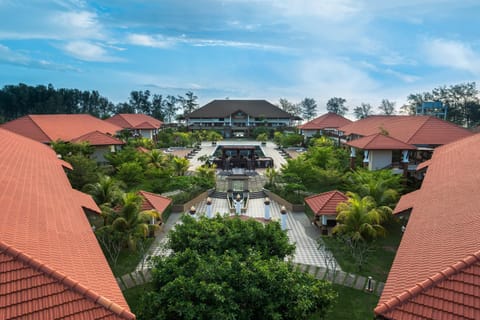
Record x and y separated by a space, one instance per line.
283 212
267 208
209 207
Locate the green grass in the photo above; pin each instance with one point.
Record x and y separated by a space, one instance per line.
380 258
133 296
351 304
128 260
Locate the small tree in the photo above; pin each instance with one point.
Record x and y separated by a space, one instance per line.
309 108
337 105
363 111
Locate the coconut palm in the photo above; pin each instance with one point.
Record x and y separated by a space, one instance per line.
180 166
107 191
131 221
155 159
360 219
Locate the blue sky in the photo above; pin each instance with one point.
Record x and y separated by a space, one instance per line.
363 51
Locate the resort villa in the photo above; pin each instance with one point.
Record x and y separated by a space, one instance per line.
436 271
69 128
324 207
51 263
139 125
326 124
237 118
398 142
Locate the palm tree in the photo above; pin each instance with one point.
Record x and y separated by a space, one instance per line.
155 159
131 222
107 191
180 166
382 185
360 219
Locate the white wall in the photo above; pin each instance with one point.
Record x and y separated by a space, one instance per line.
146 133
99 152
379 159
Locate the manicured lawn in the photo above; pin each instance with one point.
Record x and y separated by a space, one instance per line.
128 260
134 294
379 259
351 304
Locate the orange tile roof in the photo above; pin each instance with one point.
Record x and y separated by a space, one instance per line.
416 130
325 203
86 201
51 127
407 201
380 141
42 217
440 245
154 201
329 120
135 121
423 165
97 138
30 289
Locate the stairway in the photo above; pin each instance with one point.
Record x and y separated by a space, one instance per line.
218 195
257 195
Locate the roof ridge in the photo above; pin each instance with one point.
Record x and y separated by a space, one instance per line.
39 128
427 118
414 291
66 280
145 198
324 193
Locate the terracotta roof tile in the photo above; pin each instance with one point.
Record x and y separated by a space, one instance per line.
86 201
51 127
135 120
32 290
407 201
423 165
97 138
42 216
325 203
329 120
154 201
440 238
416 130
379 141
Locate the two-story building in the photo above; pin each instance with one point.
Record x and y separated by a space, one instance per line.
236 118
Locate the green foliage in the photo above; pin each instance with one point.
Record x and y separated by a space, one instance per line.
291 140
131 173
105 191
126 154
383 186
262 130
309 108
225 234
85 171
66 149
263 137
337 105
363 111
224 268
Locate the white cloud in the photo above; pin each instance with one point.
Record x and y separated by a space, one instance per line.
87 51
9 56
160 41
452 54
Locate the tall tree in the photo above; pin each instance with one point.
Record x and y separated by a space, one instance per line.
387 107
290 107
140 101
337 105
188 103
158 107
309 108
363 111
171 108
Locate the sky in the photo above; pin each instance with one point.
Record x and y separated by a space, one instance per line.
361 50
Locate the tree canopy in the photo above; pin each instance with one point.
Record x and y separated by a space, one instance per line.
225 268
337 105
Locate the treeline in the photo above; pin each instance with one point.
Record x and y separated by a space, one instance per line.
19 100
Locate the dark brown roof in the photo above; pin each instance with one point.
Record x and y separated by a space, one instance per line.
254 108
436 271
329 120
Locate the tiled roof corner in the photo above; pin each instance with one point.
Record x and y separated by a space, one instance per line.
65 280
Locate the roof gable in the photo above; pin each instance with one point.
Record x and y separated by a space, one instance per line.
329 120
326 203
254 108
154 201
43 217
97 138
379 141
135 121
417 130
59 126
444 220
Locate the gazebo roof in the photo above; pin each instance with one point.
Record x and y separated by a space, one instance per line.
380 141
